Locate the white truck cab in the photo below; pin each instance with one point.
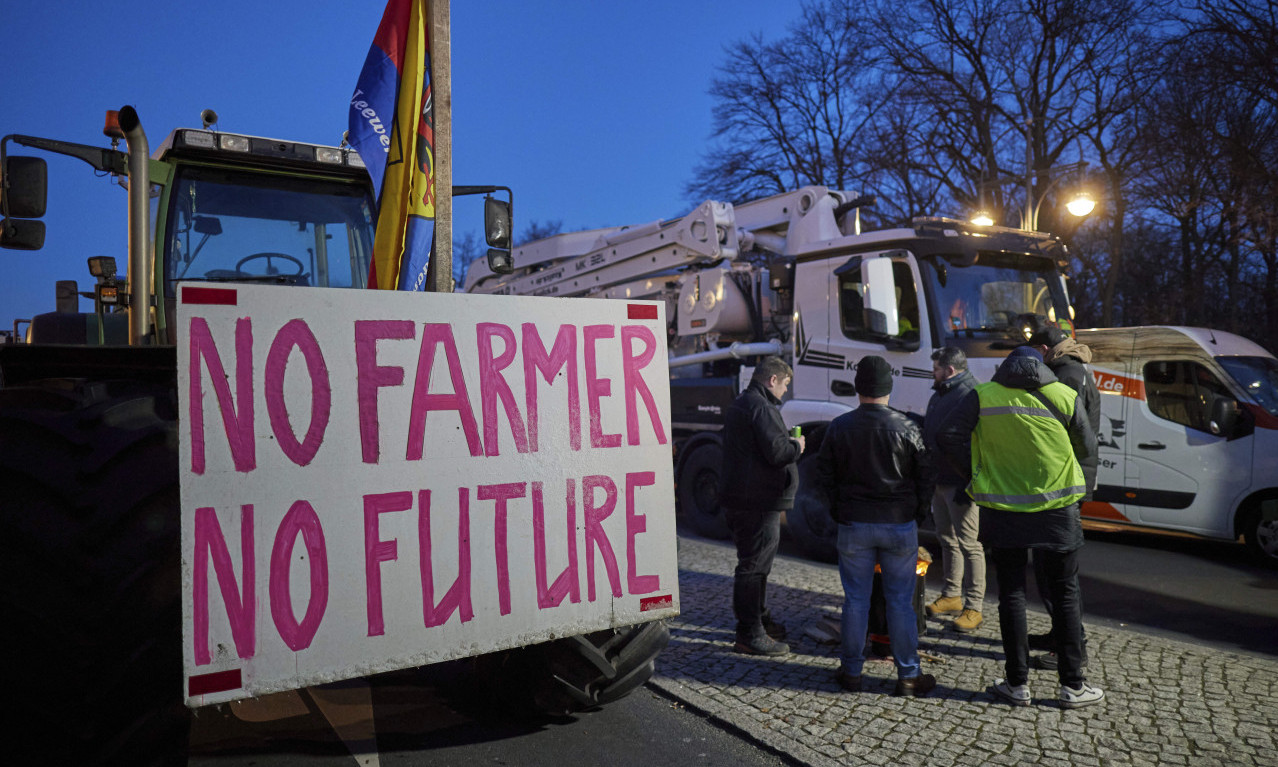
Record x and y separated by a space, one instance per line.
794 275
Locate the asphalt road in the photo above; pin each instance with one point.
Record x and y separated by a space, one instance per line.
443 719
1210 593
1206 592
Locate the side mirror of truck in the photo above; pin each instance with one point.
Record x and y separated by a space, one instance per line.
881 312
23 196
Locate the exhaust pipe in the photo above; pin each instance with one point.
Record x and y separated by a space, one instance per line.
139 226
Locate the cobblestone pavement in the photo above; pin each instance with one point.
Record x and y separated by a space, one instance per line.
1166 702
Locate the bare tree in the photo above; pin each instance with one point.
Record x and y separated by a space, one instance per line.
466 251
788 112
538 230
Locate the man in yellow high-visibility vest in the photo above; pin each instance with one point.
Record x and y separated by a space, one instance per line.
1019 439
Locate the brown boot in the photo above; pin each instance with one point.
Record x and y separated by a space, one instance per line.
968 622
945 606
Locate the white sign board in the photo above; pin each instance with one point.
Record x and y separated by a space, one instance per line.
377 480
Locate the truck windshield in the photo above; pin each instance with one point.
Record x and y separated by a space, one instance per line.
234 226
998 295
1258 376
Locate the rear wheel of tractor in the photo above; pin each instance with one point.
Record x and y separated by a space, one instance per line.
809 522
699 480
1261 536
574 674
90 555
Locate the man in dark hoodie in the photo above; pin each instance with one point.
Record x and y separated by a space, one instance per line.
1020 439
1067 360
759 482
879 477
957 519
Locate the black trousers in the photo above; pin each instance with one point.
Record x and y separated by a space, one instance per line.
756 534
1061 572
1041 583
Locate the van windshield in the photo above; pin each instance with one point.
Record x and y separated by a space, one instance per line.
1258 376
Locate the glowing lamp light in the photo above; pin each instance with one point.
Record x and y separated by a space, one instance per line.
982 219
1081 205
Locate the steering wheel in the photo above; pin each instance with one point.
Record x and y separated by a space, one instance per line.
1005 317
268 255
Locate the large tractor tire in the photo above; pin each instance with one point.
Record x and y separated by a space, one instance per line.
699 477
90 562
577 673
809 522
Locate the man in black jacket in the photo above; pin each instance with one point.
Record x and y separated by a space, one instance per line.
879 478
958 521
759 483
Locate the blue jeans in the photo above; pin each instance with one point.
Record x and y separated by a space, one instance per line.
895 548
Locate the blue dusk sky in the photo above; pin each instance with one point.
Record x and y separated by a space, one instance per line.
594 113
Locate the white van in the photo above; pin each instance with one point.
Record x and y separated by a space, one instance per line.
1189 433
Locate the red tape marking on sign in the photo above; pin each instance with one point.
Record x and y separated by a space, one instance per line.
655 603
641 311
212 296
218 681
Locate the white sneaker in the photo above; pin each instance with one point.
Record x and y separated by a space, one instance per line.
1072 697
1016 694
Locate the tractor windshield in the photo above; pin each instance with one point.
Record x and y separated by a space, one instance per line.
233 226
1001 295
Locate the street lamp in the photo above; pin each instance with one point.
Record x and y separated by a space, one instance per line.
1081 205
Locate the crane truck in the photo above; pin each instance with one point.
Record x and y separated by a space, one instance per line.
794 275
163 545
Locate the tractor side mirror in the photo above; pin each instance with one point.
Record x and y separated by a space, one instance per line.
24 185
497 234
22 234
497 223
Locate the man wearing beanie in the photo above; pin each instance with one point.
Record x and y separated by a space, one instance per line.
759 482
879 478
1018 440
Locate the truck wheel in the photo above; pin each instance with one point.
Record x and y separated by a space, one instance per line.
699 491
90 559
809 522
577 673
1261 536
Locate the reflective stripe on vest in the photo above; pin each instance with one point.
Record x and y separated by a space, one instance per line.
1022 459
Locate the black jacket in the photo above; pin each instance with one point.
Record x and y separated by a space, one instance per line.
1068 361
758 455
948 394
874 467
